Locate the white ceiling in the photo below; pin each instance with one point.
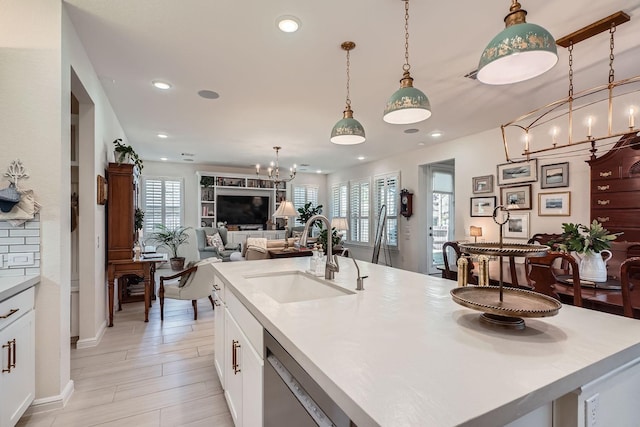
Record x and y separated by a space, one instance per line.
289 89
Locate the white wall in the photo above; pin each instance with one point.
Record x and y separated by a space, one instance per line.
475 155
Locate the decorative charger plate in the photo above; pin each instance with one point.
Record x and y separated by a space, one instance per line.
505 249
516 302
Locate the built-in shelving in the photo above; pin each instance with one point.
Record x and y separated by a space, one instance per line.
212 184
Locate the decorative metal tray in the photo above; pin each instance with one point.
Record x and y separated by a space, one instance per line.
504 249
516 302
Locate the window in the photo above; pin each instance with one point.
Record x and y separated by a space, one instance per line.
303 194
339 200
162 202
386 193
359 206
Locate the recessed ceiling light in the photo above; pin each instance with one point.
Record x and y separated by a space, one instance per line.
161 85
420 143
163 136
164 159
208 94
361 157
319 171
412 130
188 160
288 24
436 134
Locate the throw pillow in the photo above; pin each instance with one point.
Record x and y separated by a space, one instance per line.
216 242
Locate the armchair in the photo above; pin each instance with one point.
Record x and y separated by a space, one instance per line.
192 284
207 251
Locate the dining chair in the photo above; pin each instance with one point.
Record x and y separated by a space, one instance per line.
541 274
626 271
450 268
193 283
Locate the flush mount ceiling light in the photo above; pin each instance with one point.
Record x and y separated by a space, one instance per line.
288 24
436 134
161 85
408 104
348 131
519 52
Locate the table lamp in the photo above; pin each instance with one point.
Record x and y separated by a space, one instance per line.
475 232
341 225
286 210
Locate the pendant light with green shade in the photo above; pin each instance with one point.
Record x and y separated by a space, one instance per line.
348 131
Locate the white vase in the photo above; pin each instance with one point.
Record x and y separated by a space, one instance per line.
593 267
122 158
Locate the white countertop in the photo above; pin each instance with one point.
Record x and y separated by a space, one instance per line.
10 286
402 353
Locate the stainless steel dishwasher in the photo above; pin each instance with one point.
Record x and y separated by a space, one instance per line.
291 396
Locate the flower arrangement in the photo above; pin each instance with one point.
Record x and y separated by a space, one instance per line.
583 239
121 151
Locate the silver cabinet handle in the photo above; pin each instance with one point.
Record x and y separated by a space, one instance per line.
603 218
604 202
606 174
603 187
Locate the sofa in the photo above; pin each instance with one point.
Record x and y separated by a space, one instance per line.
205 250
258 248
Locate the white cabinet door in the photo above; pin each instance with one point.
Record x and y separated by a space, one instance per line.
218 339
233 349
252 370
17 351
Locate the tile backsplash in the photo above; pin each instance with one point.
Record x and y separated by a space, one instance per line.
22 239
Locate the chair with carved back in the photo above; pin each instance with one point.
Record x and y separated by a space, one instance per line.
451 253
544 238
541 274
628 269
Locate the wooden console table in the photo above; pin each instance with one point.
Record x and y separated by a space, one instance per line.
145 267
279 253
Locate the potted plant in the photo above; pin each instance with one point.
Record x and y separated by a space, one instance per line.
307 211
588 244
335 238
171 239
125 153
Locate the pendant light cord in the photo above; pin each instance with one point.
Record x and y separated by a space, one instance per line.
406 66
611 56
348 77
571 70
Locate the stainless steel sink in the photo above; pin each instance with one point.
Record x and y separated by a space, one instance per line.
293 286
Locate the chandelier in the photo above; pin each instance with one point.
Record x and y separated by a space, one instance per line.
273 171
596 114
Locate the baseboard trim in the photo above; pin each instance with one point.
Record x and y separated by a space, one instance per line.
52 402
93 342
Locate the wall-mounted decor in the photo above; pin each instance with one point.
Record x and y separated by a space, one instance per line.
483 206
554 204
516 197
101 187
555 175
482 184
517 172
518 226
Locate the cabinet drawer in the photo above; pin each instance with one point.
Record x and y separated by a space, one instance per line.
16 307
616 217
605 172
624 184
249 325
621 200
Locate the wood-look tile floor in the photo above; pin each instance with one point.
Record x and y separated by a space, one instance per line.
146 374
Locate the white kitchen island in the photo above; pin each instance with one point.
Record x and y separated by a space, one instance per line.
402 353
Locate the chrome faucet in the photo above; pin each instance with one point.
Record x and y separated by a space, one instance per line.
360 279
332 265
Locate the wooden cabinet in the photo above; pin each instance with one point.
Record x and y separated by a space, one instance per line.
17 357
121 204
615 188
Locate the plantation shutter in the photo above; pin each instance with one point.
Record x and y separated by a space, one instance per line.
339 200
386 190
162 202
359 206
303 194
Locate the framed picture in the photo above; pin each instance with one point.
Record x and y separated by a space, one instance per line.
101 187
555 175
554 204
482 184
515 198
517 172
517 227
483 206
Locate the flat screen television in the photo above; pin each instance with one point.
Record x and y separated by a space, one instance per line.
243 210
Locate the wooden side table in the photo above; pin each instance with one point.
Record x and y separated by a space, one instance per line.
279 253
